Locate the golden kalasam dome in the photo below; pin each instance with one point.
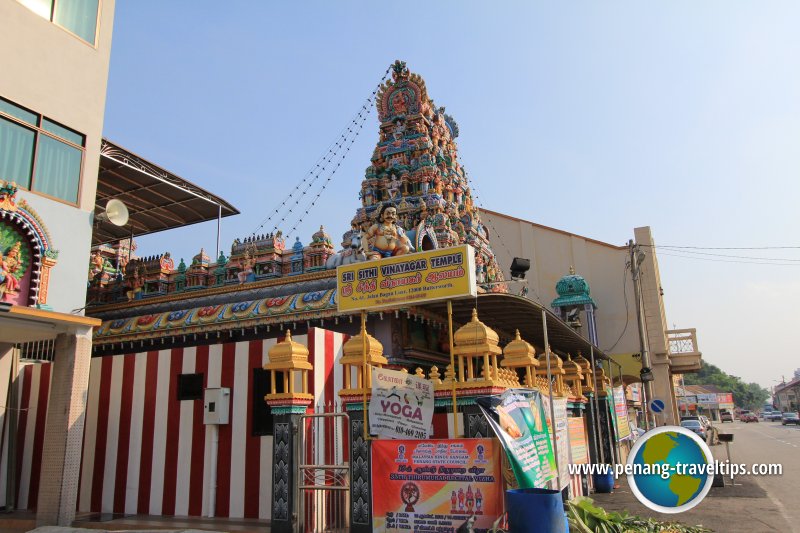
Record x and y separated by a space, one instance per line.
571 366
287 355
354 350
519 353
555 362
475 332
583 362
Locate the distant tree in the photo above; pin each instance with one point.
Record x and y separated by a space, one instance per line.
745 395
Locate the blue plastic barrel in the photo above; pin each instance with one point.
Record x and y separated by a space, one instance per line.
604 483
535 511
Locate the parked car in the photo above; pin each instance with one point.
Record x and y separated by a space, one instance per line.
790 418
725 416
747 416
773 415
696 426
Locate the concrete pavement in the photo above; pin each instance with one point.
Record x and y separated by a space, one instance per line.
751 504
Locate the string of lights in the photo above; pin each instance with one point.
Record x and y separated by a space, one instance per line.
343 142
488 219
313 202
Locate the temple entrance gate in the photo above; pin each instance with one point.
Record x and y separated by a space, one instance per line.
324 473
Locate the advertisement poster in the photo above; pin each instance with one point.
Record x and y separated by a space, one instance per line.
517 416
725 400
707 398
401 406
612 411
578 451
435 485
424 276
621 414
561 435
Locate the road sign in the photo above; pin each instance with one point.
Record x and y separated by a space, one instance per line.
657 406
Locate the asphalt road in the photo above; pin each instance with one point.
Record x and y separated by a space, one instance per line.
749 504
769 442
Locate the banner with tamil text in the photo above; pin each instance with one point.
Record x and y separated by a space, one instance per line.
517 416
435 485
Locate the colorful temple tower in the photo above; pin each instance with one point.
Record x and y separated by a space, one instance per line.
415 169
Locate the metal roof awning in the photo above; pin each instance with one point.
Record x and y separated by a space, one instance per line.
157 200
506 313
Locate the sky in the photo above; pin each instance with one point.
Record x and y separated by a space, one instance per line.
590 117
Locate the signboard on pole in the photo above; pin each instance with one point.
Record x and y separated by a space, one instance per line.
707 399
435 485
621 413
578 451
440 274
725 400
401 406
518 419
560 436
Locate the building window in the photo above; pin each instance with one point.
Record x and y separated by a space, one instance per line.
78 17
190 387
262 414
39 154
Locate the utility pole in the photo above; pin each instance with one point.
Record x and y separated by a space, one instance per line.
637 256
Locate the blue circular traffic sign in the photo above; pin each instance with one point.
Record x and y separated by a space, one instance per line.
657 406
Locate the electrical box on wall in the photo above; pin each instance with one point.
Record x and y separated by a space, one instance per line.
216 405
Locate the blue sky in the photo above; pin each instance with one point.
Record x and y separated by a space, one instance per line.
594 118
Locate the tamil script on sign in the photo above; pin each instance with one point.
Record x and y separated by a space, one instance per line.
440 274
436 485
401 406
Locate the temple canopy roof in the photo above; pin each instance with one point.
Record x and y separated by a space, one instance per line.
156 199
572 290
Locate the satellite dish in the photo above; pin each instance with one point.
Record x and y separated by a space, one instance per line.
116 212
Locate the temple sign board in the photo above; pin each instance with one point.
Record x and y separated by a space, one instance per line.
440 274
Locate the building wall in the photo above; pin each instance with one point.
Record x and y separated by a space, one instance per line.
145 452
56 74
552 252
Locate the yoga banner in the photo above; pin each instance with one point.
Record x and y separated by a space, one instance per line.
401 405
435 485
518 418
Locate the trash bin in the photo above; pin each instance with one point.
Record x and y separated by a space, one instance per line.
604 483
535 511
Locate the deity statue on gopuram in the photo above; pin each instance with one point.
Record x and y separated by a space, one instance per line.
415 171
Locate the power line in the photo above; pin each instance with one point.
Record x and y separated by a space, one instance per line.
727 255
725 247
625 296
714 260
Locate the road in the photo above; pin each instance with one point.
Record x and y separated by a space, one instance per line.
751 504
769 442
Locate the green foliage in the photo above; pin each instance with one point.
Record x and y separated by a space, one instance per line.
585 517
745 395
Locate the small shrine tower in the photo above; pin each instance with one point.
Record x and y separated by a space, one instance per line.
573 298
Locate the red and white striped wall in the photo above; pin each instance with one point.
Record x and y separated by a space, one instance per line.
32 394
145 452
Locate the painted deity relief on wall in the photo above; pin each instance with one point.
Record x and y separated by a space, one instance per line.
26 256
14 266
